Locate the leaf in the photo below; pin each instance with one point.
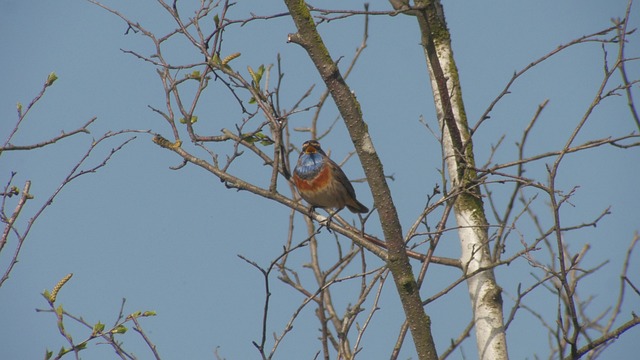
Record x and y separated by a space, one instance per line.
256 75
47 295
149 313
48 354
216 20
249 138
62 351
261 70
120 329
194 119
51 79
215 60
98 328
258 137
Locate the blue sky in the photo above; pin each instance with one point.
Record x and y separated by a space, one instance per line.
168 240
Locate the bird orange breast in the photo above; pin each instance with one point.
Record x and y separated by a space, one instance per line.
316 183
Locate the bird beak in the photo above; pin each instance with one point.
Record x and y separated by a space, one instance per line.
310 149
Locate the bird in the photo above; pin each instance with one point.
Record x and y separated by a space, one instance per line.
322 183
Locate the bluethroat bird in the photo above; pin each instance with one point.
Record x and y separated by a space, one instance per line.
322 183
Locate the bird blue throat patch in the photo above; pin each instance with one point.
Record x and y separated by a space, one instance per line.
310 165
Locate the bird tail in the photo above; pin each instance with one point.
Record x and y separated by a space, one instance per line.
357 207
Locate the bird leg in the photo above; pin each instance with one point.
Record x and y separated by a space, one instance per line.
311 210
327 222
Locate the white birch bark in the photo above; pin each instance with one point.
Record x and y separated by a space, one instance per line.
484 292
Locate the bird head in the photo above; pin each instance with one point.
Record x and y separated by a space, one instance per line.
311 147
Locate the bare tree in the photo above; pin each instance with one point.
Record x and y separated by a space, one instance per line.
12 234
16 233
488 232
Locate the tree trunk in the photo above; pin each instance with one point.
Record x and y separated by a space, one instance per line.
484 292
397 259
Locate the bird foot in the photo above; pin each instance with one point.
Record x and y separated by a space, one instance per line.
326 222
311 210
